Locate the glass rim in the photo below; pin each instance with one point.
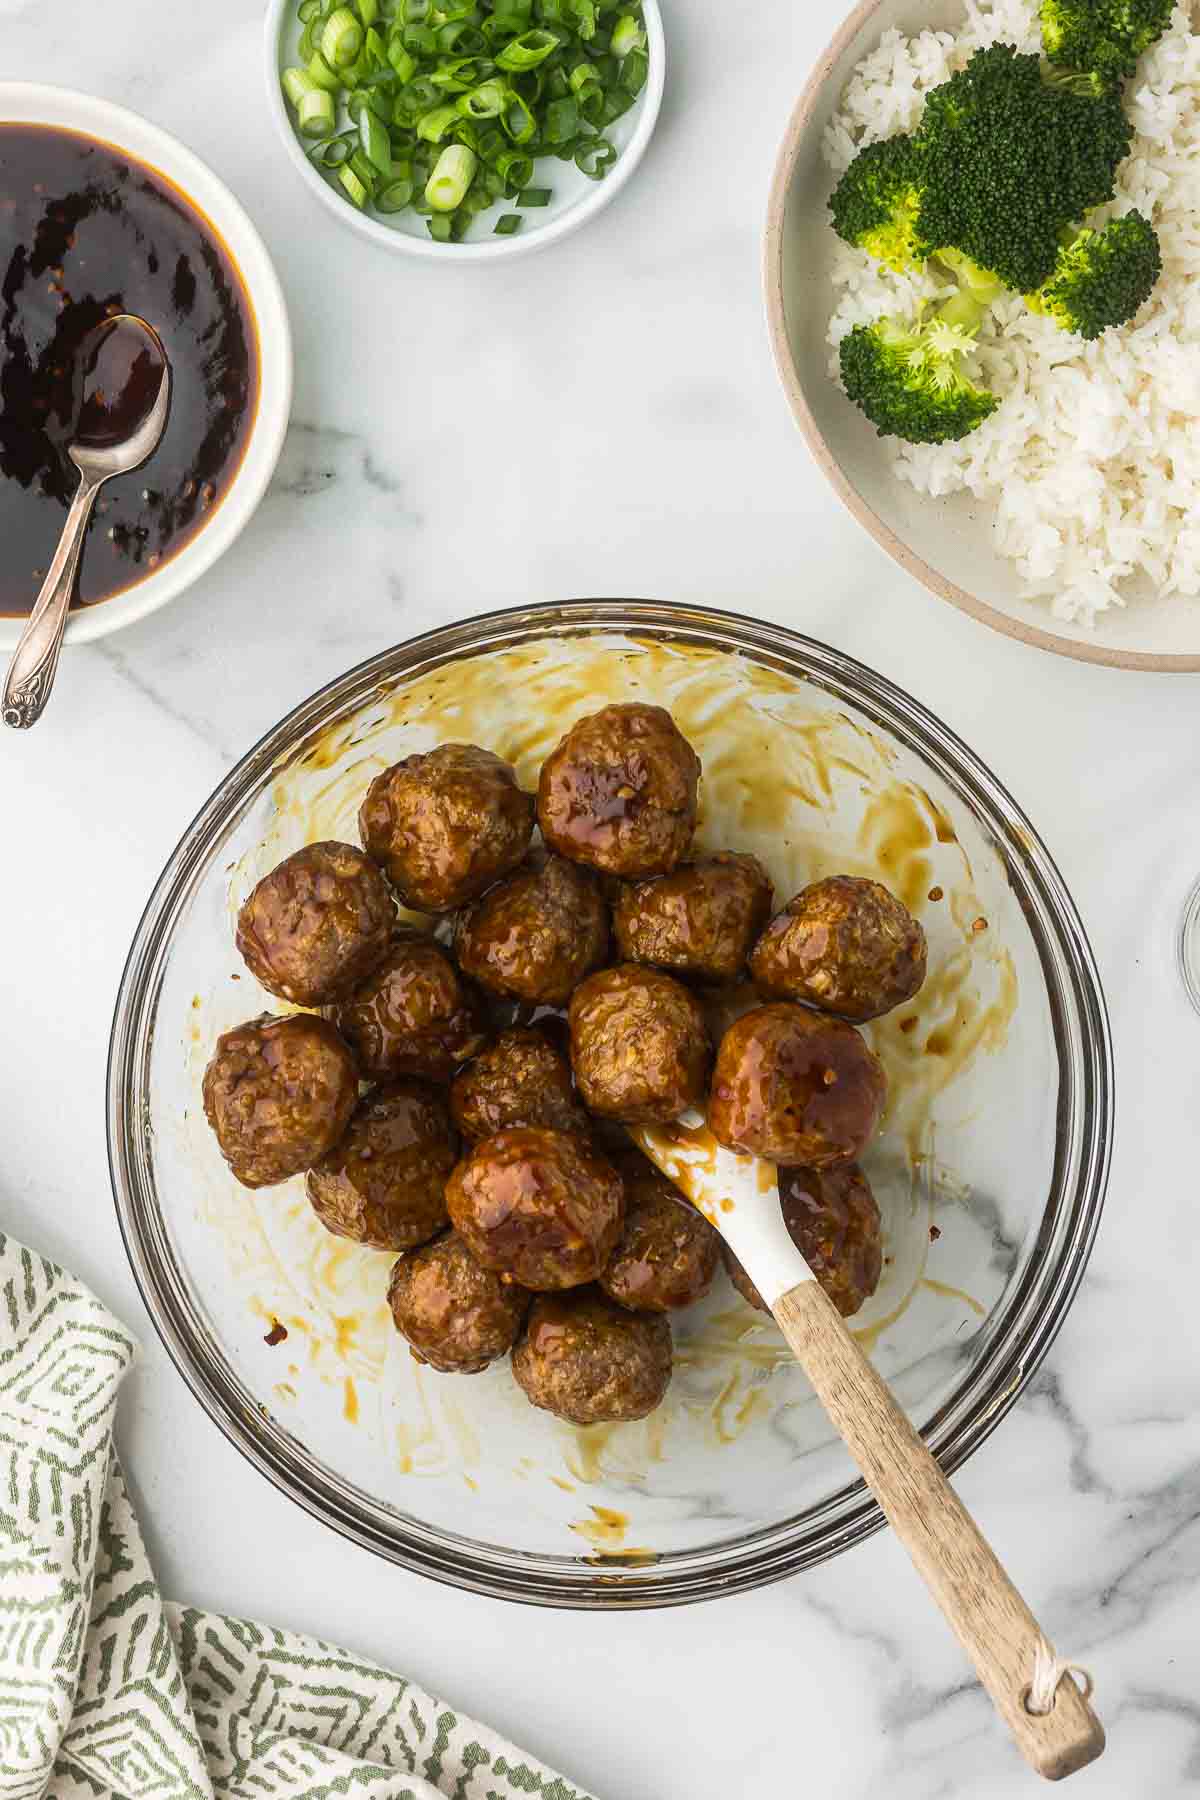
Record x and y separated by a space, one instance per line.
1024 1327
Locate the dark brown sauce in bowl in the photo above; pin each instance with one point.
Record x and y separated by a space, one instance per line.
87 231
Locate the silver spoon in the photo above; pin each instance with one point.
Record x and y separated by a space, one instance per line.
118 429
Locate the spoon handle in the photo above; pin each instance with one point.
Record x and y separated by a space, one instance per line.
959 1567
35 659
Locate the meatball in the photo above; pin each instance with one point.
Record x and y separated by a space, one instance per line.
385 1183
700 921
795 1088
586 1359
317 925
535 936
414 1015
639 1046
279 1093
668 1252
845 945
457 1316
619 792
833 1220
446 825
541 1206
520 1079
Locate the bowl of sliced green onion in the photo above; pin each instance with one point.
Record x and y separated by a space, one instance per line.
471 128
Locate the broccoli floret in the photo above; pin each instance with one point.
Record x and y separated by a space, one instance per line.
1102 277
910 379
1008 160
1103 37
875 205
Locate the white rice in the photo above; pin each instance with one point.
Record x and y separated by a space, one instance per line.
1092 460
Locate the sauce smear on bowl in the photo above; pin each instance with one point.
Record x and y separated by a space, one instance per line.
86 232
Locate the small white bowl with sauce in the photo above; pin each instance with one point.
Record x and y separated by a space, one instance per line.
223 221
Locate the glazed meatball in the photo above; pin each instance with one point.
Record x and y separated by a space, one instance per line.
385 1183
619 792
520 1079
588 1360
833 1220
795 1088
317 925
414 1015
700 921
639 1046
535 936
845 945
446 825
541 1206
279 1093
668 1252
457 1316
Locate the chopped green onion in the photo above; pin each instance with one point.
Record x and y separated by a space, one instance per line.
451 104
402 60
484 102
297 83
452 176
322 74
315 114
561 123
517 120
634 71
420 38
433 126
515 167
341 39
394 197
527 51
595 158
627 35
354 187
375 143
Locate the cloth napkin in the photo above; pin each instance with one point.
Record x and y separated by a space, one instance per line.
107 1692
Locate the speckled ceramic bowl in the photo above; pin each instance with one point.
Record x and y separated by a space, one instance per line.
990 1168
945 543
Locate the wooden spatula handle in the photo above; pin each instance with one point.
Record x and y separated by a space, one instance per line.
955 1561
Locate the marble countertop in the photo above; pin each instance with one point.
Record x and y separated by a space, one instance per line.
606 420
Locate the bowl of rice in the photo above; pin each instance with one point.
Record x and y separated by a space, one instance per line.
1068 519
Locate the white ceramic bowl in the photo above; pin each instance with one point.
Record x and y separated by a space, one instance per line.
28 102
577 198
945 543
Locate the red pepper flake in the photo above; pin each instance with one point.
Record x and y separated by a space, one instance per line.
935 893
979 925
277 1333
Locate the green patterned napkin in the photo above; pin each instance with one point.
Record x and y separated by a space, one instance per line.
109 1693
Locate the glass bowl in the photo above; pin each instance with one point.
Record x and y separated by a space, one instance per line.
990 1167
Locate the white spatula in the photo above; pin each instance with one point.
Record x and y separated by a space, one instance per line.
1034 1692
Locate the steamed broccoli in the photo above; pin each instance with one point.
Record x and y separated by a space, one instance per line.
1102 277
876 204
910 379
1102 37
1009 161
1000 164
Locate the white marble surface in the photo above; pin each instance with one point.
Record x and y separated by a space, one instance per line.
606 421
